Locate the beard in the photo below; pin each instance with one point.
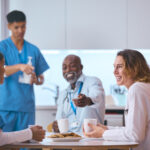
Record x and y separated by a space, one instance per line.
71 77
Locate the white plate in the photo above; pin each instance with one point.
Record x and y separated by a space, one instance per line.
94 139
73 139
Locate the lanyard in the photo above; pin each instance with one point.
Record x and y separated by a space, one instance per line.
71 103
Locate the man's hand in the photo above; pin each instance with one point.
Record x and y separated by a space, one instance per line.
34 78
28 69
40 80
55 126
97 131
82 101
37 80
38 133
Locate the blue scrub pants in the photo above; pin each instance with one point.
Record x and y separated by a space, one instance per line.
15 121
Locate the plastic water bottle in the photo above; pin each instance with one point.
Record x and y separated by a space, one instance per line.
26 78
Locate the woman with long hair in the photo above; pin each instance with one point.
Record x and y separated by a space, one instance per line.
132 71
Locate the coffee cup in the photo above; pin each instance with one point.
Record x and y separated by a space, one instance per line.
86 122
63 125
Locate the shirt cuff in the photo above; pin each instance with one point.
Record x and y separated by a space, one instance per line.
30 133
107 135
23 135
17 136
110 127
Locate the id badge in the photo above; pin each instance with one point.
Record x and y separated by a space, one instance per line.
75 124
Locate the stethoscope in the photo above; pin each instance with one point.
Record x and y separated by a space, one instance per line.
68 98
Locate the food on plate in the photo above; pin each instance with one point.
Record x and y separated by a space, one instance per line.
50 127
64 135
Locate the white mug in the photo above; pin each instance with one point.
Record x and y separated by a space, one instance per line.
63 125
91 121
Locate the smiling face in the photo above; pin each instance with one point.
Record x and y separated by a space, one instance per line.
72 68
17 29
2 70
122 78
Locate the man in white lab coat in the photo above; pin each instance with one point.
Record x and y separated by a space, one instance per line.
131 70
36 132
84 97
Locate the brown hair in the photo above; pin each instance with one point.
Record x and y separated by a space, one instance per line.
135 65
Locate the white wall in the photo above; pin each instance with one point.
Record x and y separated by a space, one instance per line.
4 4
45 21
45 115
139 23
86 24
94 24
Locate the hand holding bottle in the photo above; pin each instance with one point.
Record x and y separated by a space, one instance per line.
28 69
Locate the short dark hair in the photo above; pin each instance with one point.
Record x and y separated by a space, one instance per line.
16 16
1 56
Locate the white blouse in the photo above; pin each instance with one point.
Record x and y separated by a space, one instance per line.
137 118
17 136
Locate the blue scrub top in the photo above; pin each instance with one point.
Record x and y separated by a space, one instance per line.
15 96
1 123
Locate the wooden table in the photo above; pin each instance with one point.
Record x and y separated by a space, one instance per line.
86 144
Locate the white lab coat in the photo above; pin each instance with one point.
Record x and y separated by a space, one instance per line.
137 119
17 136
92 87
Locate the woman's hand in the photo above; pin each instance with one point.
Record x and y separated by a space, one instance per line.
101 125
97 131
37 133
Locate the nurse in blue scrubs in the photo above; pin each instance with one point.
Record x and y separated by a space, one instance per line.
17 101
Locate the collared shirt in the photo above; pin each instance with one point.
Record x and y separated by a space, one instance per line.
12 137
16 96
137 119
92 87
